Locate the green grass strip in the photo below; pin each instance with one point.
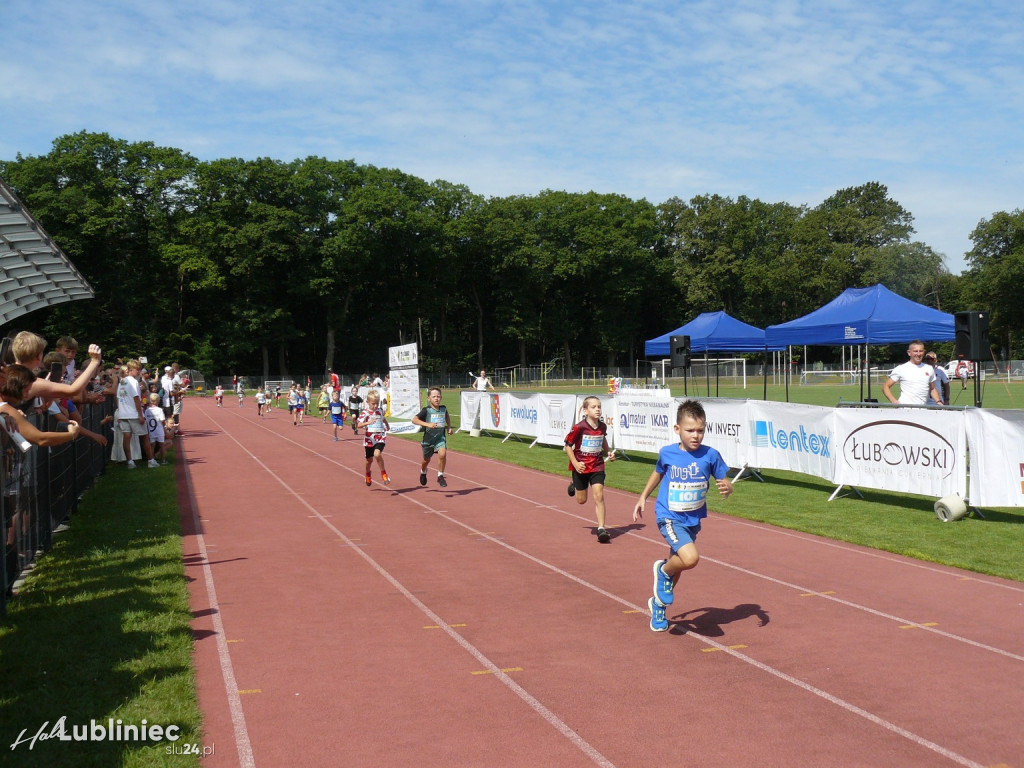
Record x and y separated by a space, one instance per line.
101 630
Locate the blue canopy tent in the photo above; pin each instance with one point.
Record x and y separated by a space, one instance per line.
865 316
712 331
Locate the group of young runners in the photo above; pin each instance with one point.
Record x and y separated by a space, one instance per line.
683 473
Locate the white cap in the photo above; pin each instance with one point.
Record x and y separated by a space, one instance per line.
167 368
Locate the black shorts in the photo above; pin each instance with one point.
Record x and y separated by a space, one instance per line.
371 449
582 482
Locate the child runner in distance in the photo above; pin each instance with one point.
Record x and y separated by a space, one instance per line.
355 404
372 418
682 502
261 401
586 445
337 410
437 425
322 403
300 405
218 395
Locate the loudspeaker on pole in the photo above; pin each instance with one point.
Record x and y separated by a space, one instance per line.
679 350
971 335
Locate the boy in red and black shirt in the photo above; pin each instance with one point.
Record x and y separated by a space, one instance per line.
587 445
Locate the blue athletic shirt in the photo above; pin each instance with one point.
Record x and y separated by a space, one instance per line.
685 480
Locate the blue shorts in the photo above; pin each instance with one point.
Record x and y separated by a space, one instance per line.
676 534
338 419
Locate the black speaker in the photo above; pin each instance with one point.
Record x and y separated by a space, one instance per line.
679 348
971 335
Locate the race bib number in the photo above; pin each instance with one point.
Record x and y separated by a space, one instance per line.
376 426
437 418
592 444
686 497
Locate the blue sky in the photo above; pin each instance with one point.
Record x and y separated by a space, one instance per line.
782 101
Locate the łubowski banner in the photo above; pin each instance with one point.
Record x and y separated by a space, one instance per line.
913 450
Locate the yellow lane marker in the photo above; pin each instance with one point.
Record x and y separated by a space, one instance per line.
236 641
252 690
633 610
814 594
481 533
437 626
922 624
713 650
489 672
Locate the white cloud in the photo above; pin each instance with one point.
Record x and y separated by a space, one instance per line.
786 101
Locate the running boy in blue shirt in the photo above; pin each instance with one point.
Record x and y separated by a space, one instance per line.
682 502
337 410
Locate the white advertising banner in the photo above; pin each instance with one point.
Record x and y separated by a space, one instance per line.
469 410
609 410
556 415
996 441
523 412
791 436
727 429
912 450
643 422
493 412
404 396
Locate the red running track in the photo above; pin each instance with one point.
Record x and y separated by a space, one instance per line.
483 625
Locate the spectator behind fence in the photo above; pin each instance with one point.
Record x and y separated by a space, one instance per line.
28 349
63 409
15 382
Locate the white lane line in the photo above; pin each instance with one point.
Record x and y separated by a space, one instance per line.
242 743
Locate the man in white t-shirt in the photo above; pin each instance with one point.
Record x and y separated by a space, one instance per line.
915 377
482 382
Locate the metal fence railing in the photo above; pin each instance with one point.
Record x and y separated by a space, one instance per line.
42 487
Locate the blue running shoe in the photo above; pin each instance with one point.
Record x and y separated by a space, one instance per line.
662 584
658 621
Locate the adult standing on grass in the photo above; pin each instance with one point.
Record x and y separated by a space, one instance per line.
941 379
482 383
587 445
915 377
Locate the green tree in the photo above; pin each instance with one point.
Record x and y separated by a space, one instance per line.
994 277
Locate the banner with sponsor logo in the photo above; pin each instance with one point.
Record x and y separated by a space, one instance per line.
727 429
556 415
791 436
493 412
469 410
644 420
523 412
912 450
996 442
404 395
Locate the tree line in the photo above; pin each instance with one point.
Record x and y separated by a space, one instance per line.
269 267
